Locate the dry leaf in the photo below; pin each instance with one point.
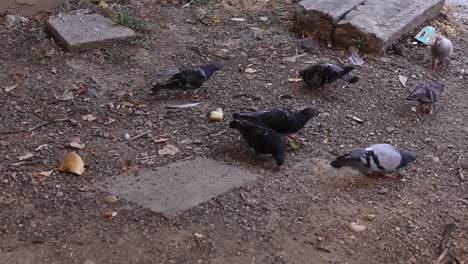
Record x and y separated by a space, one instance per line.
109 214
20 74
10 88
403 79
89 118
76 143
131 168
66 96
170 150
294 58
294 79
163 138
110 198
43 174
72 163
7 200
26 156
216 20
250 70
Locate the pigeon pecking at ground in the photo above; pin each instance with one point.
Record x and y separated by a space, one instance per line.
380 159
427 94
281 120
324 74
189 79
262 139
441 50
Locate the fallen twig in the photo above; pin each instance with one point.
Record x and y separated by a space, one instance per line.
142 134
187 4
445 242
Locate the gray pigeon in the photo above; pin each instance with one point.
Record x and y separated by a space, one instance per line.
380 159
427 94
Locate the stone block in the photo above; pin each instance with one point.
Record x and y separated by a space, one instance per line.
178 186
321 16
370 25
373 26
87 32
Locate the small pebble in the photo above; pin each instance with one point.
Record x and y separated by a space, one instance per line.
369 217
357 228
110 199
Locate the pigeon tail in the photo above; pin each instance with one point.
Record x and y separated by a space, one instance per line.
279 157
346 70
350 78
210 69
348 160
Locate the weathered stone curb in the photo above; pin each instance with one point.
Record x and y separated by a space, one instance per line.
369 25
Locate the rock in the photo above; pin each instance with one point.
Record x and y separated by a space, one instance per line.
357 228
427 140
86 32
13 20
390 129
110 199
369 217
89 262
370 25
435 159
382 191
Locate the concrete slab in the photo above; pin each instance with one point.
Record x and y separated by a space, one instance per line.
370 25
322 16
178 186
87 32
376 24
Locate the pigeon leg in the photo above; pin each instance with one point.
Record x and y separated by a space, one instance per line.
434 66
376 174
198 96
426 109
393 176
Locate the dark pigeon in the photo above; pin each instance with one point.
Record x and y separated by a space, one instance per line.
283 121
379 158
189 79
427 94
262 139
324 74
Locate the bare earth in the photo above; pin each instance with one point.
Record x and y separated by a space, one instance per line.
299 214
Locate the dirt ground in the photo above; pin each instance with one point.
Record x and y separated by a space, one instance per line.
299 214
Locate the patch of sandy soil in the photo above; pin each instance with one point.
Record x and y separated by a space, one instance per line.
299 214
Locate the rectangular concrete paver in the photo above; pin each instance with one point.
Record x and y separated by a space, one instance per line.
178 186
370 25
86 32
376 24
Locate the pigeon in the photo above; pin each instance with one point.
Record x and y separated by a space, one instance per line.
441 50
262 139
188 79
380 159
427 94
324 74
281 120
